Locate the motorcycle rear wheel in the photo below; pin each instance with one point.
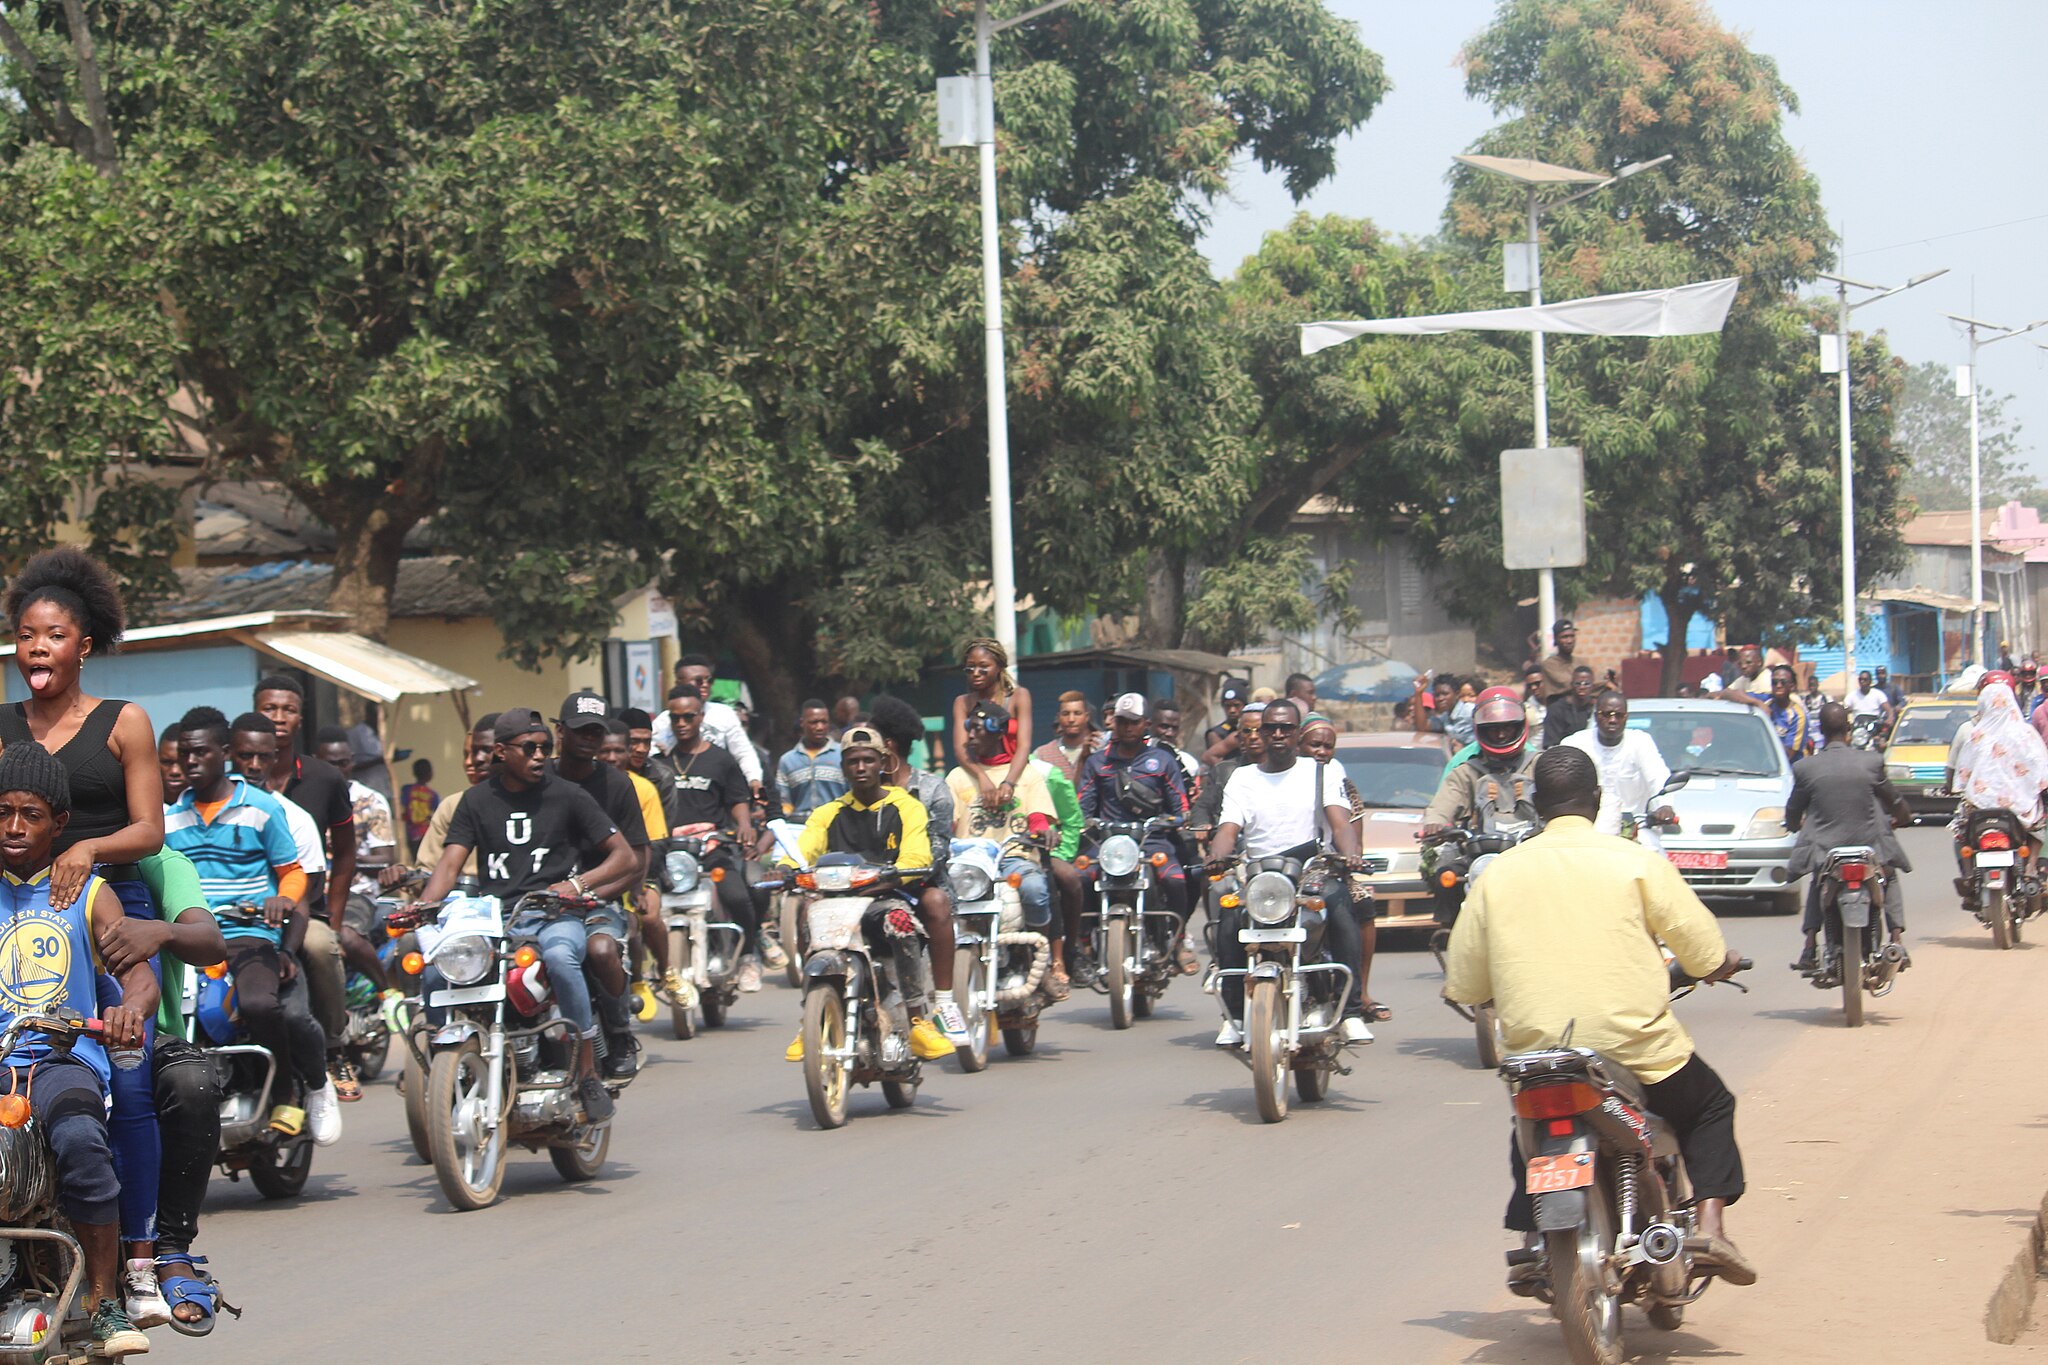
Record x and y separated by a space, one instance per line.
682 1019
968 985
789 908
1998 909
1666 1317
584 1160
279 1171
469 1165
1268 1051
825 1078
712 998
899 1094
1851 965
1116 972
1021 1042
1588 1313
412 1083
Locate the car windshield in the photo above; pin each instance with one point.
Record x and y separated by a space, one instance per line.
1930 725
1394 778
1712 742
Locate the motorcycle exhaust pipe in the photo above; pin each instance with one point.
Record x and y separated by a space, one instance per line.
1662 1243
1894 954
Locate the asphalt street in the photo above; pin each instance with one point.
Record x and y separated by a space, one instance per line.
1114 1196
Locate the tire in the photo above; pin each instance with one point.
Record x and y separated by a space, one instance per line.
583 1161
788 908
1851 964
1486 1031
713 1002
967 986
412 1083
1021 1042
1116 952
1141 1002
279 1171
471 1169
1998 909
900 1094
825 1081
682 1019
1591 1317
1269 1058
1312 1083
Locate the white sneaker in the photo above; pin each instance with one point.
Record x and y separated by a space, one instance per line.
946 1014
144 1297
1230 1035
750 974
1353 1030
323 1115
772 954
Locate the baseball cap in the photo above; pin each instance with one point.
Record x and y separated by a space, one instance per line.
1561 627
1233 690
862 737
584 708
520 720
1130 706
1251 712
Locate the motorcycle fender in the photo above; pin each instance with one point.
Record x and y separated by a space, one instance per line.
1561 1211
456 1032
1264 971
1855 909
830 965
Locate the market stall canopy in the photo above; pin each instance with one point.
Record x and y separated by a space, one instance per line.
1683 311
362 665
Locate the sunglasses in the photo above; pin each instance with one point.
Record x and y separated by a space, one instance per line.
543 747
1281 727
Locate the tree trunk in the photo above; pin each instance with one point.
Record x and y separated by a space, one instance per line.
1677 616
1159 616
369 540
775 658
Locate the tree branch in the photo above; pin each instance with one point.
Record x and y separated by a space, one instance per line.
56 120
102 154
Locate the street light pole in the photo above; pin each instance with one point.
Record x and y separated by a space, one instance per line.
1971 326
1843 308
1001 552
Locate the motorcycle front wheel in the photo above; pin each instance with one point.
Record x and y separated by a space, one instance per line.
1116 972
682 1019
1268 1050
968 985
469 1157
1851 964
825 1078
412 1083
1587 1309
582 1160
1998 909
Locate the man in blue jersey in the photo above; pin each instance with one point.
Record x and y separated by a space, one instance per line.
49 961
241 845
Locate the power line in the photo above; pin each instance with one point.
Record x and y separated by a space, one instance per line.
1944 236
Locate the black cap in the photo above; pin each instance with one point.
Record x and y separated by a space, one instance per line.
28 767
520 720
1233 690
583 709
989 716
1559 627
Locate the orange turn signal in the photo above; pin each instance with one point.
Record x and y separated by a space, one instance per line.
1231 901
1084 862
1015 879
393 931
1965 851
1313 903
1447 879
525 956
13 1110
1159 860
717 874
806 881
412 964
217 971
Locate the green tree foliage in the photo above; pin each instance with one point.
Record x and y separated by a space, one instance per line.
1933 432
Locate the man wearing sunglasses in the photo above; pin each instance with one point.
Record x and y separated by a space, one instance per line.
532 831
712 798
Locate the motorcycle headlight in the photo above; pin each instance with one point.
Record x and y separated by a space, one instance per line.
682 872
1479 865
1768 823
1118 856
1269 898
833 880
464 959
969 883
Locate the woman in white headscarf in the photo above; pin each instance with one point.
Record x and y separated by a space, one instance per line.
1999 761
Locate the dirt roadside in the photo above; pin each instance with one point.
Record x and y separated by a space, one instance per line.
1895 1176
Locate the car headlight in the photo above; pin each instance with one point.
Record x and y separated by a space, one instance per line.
464 959
969 883
1269 898
1118 855
682 872
1897 772
1767 823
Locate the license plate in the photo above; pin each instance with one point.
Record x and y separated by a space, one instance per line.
1549 1174
2004 859
1697 860
1294 935
469 995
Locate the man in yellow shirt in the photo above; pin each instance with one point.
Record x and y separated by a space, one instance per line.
1563 930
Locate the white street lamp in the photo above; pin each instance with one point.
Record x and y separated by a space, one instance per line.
1840 358
1522 264
1969 376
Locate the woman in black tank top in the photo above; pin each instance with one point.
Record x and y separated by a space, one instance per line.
65 608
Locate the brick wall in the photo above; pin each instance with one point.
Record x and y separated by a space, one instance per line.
1610 630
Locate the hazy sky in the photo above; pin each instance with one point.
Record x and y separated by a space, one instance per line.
1922 119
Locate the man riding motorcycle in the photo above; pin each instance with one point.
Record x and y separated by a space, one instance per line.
1841 798
1132 779
1500 777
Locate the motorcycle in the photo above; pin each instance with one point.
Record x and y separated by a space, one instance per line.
253 1081
366 1038
785 925
501 1065
42 1266
1999 882
856 1028
1460 856
1613 1205
1867 732
1293 999
706 952
1856 954
1133 942
997 963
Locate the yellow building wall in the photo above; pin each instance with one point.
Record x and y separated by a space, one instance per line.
430 727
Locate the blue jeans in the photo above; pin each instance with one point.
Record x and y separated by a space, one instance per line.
132 1131
562 944
1034 890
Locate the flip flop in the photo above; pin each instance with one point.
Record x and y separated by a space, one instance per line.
1377 1013
198 1288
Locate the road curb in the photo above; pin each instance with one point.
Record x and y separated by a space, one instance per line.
2012 1304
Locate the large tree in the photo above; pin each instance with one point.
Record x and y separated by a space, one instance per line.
1933 431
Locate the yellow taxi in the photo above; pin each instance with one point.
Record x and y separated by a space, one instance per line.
1916 761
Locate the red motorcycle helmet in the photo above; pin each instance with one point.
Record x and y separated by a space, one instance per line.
1499 723
1997 675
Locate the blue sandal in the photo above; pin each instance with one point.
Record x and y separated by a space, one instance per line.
197 1288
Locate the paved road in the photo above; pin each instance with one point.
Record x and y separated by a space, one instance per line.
1113 1197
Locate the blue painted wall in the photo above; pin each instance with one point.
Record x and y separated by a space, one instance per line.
1699 631
167 683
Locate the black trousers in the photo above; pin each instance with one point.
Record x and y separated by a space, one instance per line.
188 1115
1701 1112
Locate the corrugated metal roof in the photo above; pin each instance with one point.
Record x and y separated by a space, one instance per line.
426 587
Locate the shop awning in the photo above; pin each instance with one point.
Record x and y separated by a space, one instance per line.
1927 597
359 664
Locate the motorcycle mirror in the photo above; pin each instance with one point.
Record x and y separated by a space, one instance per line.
1676 781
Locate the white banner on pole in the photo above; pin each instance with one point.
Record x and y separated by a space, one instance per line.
1683 311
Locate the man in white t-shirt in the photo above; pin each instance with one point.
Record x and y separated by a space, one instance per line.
1632 771
1865 699
1287 805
